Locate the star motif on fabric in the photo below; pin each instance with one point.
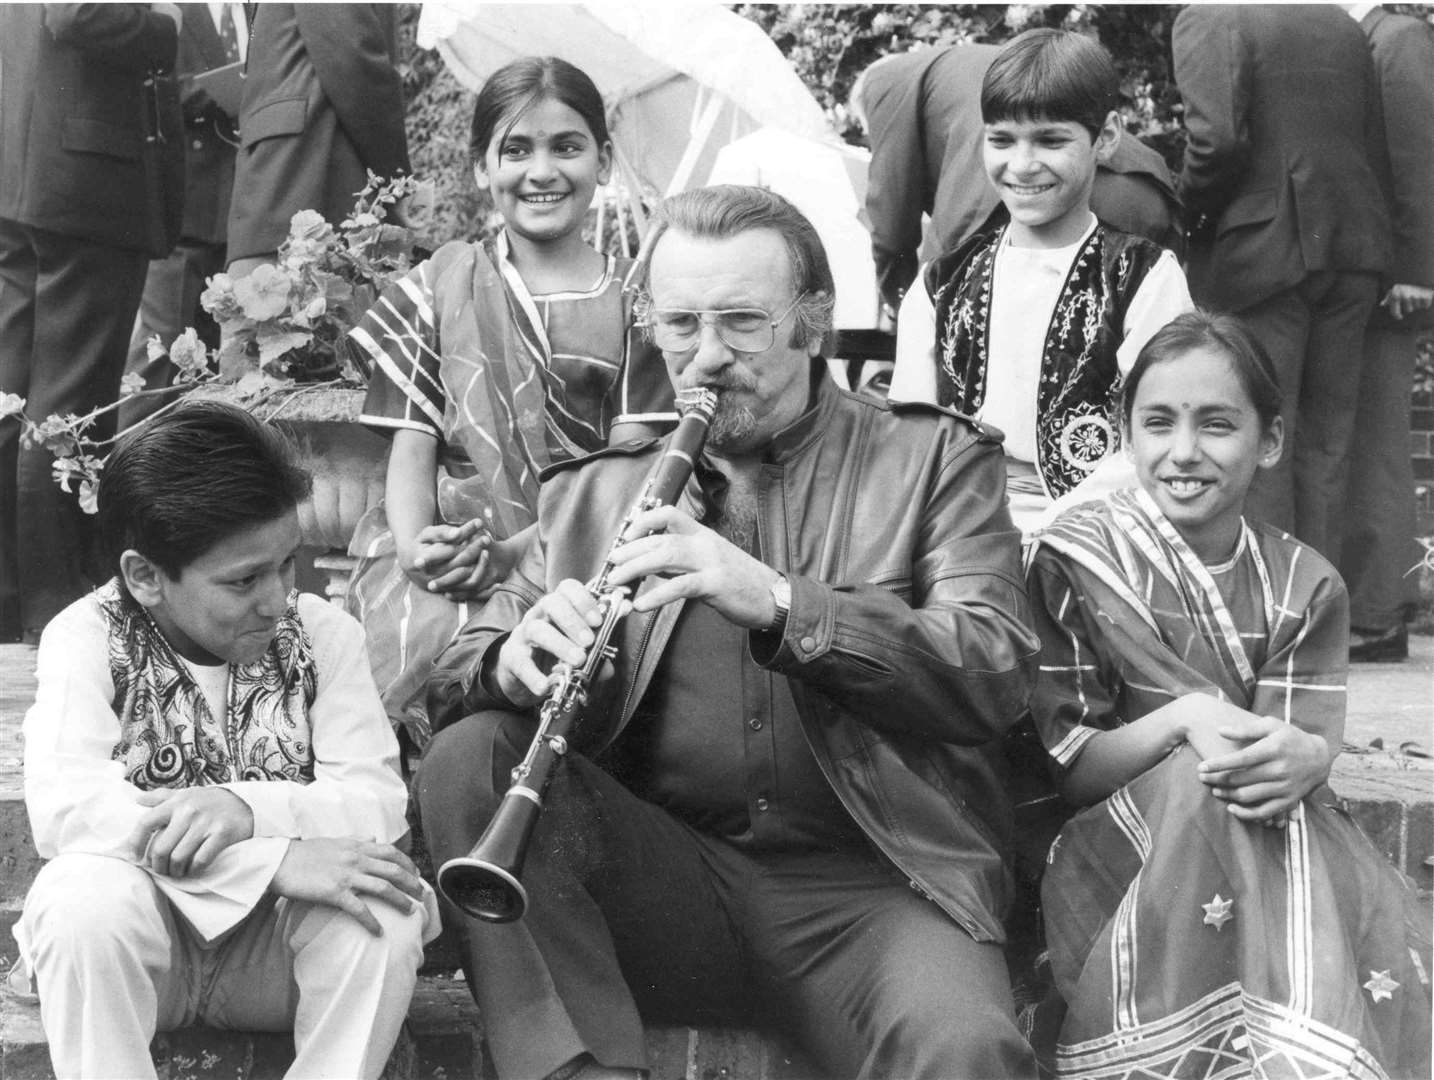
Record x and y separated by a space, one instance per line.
1381 986
1217 912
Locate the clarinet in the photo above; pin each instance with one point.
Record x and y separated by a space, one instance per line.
486 883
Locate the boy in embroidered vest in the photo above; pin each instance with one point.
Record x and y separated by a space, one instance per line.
1030 323
213 779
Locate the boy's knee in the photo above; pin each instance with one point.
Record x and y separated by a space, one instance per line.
87 903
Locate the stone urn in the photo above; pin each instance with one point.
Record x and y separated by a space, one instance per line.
346 460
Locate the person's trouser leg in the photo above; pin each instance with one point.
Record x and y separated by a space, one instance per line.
1378 548
876 981
109 965
1340 306
620 896
1282 325
86 296
17 331
170 304
343 991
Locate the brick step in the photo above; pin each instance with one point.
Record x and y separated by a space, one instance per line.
441 1040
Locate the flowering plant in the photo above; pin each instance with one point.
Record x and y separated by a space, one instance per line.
288 320
282 325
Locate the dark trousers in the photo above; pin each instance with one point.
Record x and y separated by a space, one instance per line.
1314 333
172 287
66 309
1377 549
634 914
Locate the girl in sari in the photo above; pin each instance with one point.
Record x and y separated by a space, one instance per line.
489 363
1214 912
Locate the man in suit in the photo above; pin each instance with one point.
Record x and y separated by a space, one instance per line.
1289 227
85 201
922 112
322 107
1378 546
207 40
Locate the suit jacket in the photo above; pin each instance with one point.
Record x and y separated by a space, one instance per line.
210 134
323 105
76 103
923 113
1280 166
1403 50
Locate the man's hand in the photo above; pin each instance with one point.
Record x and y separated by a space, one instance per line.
186 829
1265 779
344 873
558 628
697 565
1405 299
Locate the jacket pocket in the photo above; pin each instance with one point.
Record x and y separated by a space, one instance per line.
283 117
1254 208
97 137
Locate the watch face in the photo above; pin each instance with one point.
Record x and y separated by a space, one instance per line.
782 593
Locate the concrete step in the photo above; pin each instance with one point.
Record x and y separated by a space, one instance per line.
442 1040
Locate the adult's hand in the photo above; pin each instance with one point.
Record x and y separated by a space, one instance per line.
1265 779
557 629
696 564
185 829
1405 299
346 873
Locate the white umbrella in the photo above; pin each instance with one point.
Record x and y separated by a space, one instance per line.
680 80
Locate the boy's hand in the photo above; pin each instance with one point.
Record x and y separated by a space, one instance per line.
341 873
186 829
1278 767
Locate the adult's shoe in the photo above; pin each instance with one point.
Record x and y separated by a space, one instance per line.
1379 647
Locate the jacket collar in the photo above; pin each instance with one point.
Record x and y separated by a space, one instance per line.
807 428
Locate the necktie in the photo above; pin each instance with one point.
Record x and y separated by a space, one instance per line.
228 36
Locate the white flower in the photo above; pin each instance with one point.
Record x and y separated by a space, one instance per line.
11 405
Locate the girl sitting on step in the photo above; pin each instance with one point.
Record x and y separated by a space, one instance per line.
1213 912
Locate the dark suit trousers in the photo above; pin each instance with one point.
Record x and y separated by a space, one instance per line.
66 309
1314 333
170 303
634 914
1377 549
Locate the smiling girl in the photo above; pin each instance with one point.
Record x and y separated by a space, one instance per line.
491 362
1213 904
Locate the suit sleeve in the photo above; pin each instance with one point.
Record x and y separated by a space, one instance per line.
349 46
1404 62
120 35
895 179
1213 76
956 663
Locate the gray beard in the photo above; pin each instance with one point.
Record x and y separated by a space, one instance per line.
731 425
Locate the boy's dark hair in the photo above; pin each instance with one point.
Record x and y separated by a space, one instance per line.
190 478
1216 332
1048 74
519 85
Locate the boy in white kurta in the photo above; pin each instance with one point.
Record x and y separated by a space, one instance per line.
210 773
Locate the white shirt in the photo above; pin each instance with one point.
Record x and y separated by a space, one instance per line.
79 800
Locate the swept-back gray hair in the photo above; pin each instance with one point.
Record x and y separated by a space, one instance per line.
725 210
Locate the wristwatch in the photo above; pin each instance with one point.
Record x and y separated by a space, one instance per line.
782 597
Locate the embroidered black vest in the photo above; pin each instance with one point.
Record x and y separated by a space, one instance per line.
169 738
1075 411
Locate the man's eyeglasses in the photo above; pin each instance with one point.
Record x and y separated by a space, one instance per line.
748 330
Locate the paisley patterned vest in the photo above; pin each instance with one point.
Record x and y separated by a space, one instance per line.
1075 413
168 736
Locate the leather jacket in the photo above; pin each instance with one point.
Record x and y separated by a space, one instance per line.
908 645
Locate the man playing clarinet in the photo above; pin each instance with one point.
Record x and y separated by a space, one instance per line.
779 805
